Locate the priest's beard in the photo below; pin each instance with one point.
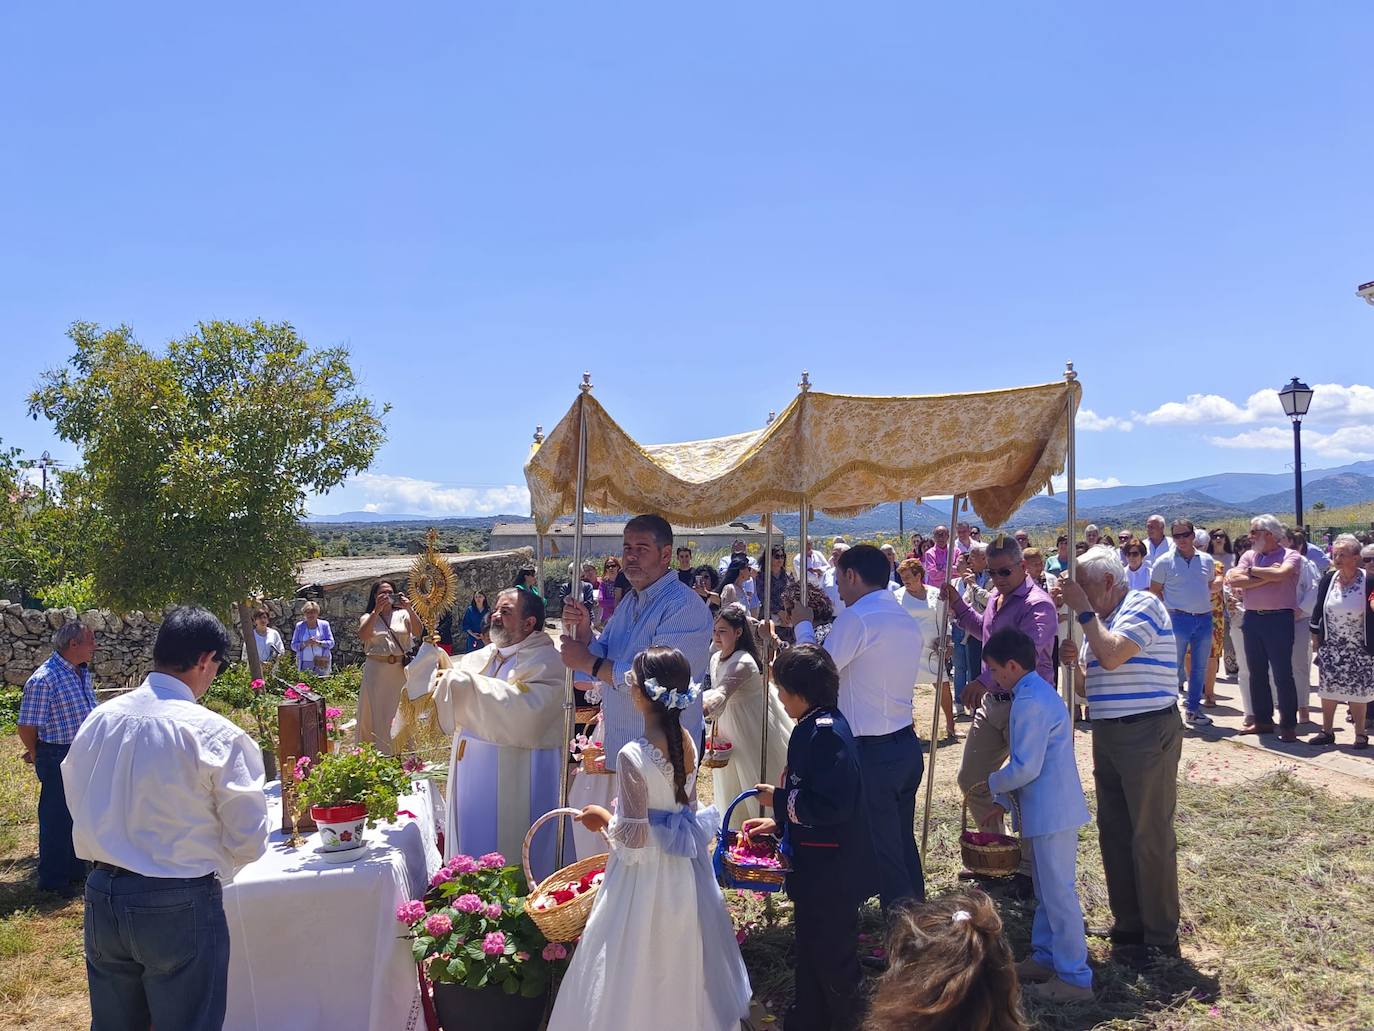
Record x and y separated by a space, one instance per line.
503 637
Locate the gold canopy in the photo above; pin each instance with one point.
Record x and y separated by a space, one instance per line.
842 453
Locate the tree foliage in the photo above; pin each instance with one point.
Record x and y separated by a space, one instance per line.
197 462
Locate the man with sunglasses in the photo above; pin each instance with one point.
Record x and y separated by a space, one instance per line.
1185 579
166 800
1016 602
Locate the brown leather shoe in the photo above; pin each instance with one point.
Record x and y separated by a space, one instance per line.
1058 991
1031 972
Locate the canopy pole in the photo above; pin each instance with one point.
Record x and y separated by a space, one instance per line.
1071 512
767 642
569 699
804 558
945 643
539 537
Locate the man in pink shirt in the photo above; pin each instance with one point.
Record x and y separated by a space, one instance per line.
936 557
1268 573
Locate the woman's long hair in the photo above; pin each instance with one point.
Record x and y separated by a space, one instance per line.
1212 538
949 969
372 594
671 669
737 616
733 570
485 607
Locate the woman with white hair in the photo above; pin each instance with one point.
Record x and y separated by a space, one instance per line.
313 641
1343 636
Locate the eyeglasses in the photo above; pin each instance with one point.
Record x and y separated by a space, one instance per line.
1182 536
1135 554
1004 571
221 663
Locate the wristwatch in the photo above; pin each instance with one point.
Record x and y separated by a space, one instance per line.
1086 617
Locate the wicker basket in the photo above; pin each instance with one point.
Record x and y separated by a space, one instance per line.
565 921
1001 859
587 713
739 875
714 760
590 755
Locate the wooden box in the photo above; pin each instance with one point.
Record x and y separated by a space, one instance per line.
300 731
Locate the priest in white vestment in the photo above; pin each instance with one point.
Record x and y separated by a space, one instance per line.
503 704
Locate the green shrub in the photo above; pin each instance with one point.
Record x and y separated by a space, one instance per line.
9 708
77 592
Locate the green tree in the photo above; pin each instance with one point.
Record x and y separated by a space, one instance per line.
198 461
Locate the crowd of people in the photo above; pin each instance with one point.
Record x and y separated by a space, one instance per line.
671 650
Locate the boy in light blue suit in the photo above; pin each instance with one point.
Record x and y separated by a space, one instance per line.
1040 786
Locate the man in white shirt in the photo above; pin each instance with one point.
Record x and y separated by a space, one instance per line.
1185 579
878 650
1156 543
738 550
166 801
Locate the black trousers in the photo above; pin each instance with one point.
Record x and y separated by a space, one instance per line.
827 994
892 767
1269 649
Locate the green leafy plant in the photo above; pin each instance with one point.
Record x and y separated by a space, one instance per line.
471 929
360 774
77 592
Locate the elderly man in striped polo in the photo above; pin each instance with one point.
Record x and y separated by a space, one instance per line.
1129 668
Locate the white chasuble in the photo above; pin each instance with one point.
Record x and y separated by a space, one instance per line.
504 708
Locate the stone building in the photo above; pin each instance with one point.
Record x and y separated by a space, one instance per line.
124 643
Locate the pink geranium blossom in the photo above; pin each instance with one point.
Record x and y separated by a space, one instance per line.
438 924
290 694
467 904
332 713
258 684
302 767
491 861
494 943
409 912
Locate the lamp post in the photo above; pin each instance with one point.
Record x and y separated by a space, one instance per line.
1296 398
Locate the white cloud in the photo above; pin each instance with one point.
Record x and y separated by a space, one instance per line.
386 494
1084 483
1333 404
1347 444
1091 422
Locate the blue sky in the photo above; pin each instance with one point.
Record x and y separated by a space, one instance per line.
482 200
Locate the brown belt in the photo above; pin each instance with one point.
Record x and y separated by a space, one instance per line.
390 659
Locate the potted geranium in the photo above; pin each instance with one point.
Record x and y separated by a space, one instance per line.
489 964
348 788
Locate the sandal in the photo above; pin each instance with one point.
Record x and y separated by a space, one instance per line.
1361 741
1326 737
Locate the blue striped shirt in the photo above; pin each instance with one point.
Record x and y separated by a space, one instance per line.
1147 680
57 699
669 614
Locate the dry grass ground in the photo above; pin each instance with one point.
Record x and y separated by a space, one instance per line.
1275 863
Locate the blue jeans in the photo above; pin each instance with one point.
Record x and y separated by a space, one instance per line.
1195 632
956 638
892 766
157 952
57 862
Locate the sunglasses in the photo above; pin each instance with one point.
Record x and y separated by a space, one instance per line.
1182 536
1133 554
221 663
1004 571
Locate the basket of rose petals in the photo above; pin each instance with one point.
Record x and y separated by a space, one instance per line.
756 863
589 751
718 749
988 854
560 903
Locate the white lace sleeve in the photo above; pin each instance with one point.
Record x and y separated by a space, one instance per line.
629 830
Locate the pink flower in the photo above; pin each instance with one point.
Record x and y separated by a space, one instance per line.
302 688
290 694
438 924
740 935
493 911
467 903
463 864
302 767
555 950
258 684
331 713
493 944
522 956
409 912
439 878
411 764
491 861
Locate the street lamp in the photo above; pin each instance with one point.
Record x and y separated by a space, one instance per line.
1296 398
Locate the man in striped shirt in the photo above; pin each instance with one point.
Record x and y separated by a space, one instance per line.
1129 664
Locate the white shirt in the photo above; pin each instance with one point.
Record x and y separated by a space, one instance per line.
878 649
1153 551
832 590
270 645
1138 579
160 785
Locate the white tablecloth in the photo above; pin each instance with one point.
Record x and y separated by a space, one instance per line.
316 944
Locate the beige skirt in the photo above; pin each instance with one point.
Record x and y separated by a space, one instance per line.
378 697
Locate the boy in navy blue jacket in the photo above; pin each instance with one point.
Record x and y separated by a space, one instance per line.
819 814
1040 785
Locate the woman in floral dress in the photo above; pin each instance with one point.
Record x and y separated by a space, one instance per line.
1343 637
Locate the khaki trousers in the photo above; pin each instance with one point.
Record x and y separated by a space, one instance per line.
985 749
1135 768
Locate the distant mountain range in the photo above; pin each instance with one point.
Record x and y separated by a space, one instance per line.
1219 496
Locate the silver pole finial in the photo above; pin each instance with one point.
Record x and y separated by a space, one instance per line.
586 383
805 383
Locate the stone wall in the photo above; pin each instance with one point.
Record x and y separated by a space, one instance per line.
124 643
